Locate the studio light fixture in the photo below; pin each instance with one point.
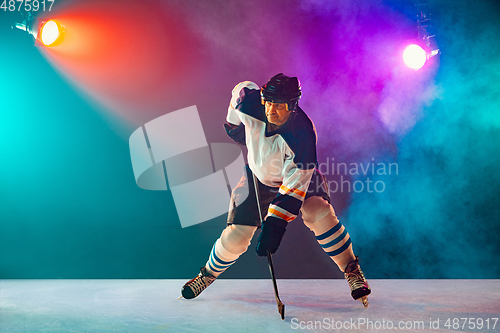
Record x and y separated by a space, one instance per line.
419 51
51 33
48 33
414 56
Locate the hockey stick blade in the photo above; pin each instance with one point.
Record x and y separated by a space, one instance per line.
281 306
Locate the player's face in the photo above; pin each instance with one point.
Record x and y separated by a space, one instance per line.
277 113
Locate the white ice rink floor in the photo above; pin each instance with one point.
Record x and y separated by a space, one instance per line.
248 306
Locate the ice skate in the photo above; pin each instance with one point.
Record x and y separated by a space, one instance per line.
195 286
356 279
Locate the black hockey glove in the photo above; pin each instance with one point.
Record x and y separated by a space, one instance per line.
237 133
270 237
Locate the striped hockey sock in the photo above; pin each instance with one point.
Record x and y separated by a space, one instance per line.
220 259
336 242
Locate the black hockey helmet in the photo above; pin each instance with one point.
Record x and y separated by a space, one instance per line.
282 89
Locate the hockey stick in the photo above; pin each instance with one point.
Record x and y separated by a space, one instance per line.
281 306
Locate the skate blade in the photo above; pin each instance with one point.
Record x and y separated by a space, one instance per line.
364 300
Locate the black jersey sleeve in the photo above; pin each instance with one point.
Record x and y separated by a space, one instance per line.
297 173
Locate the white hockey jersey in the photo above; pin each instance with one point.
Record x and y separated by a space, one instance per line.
284 158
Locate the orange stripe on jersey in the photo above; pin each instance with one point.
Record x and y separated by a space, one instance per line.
281 215
295 191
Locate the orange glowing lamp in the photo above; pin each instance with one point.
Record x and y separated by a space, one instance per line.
51 33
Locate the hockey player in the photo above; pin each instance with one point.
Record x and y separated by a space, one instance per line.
281 142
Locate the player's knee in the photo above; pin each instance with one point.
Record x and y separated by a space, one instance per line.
236 238
314 209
